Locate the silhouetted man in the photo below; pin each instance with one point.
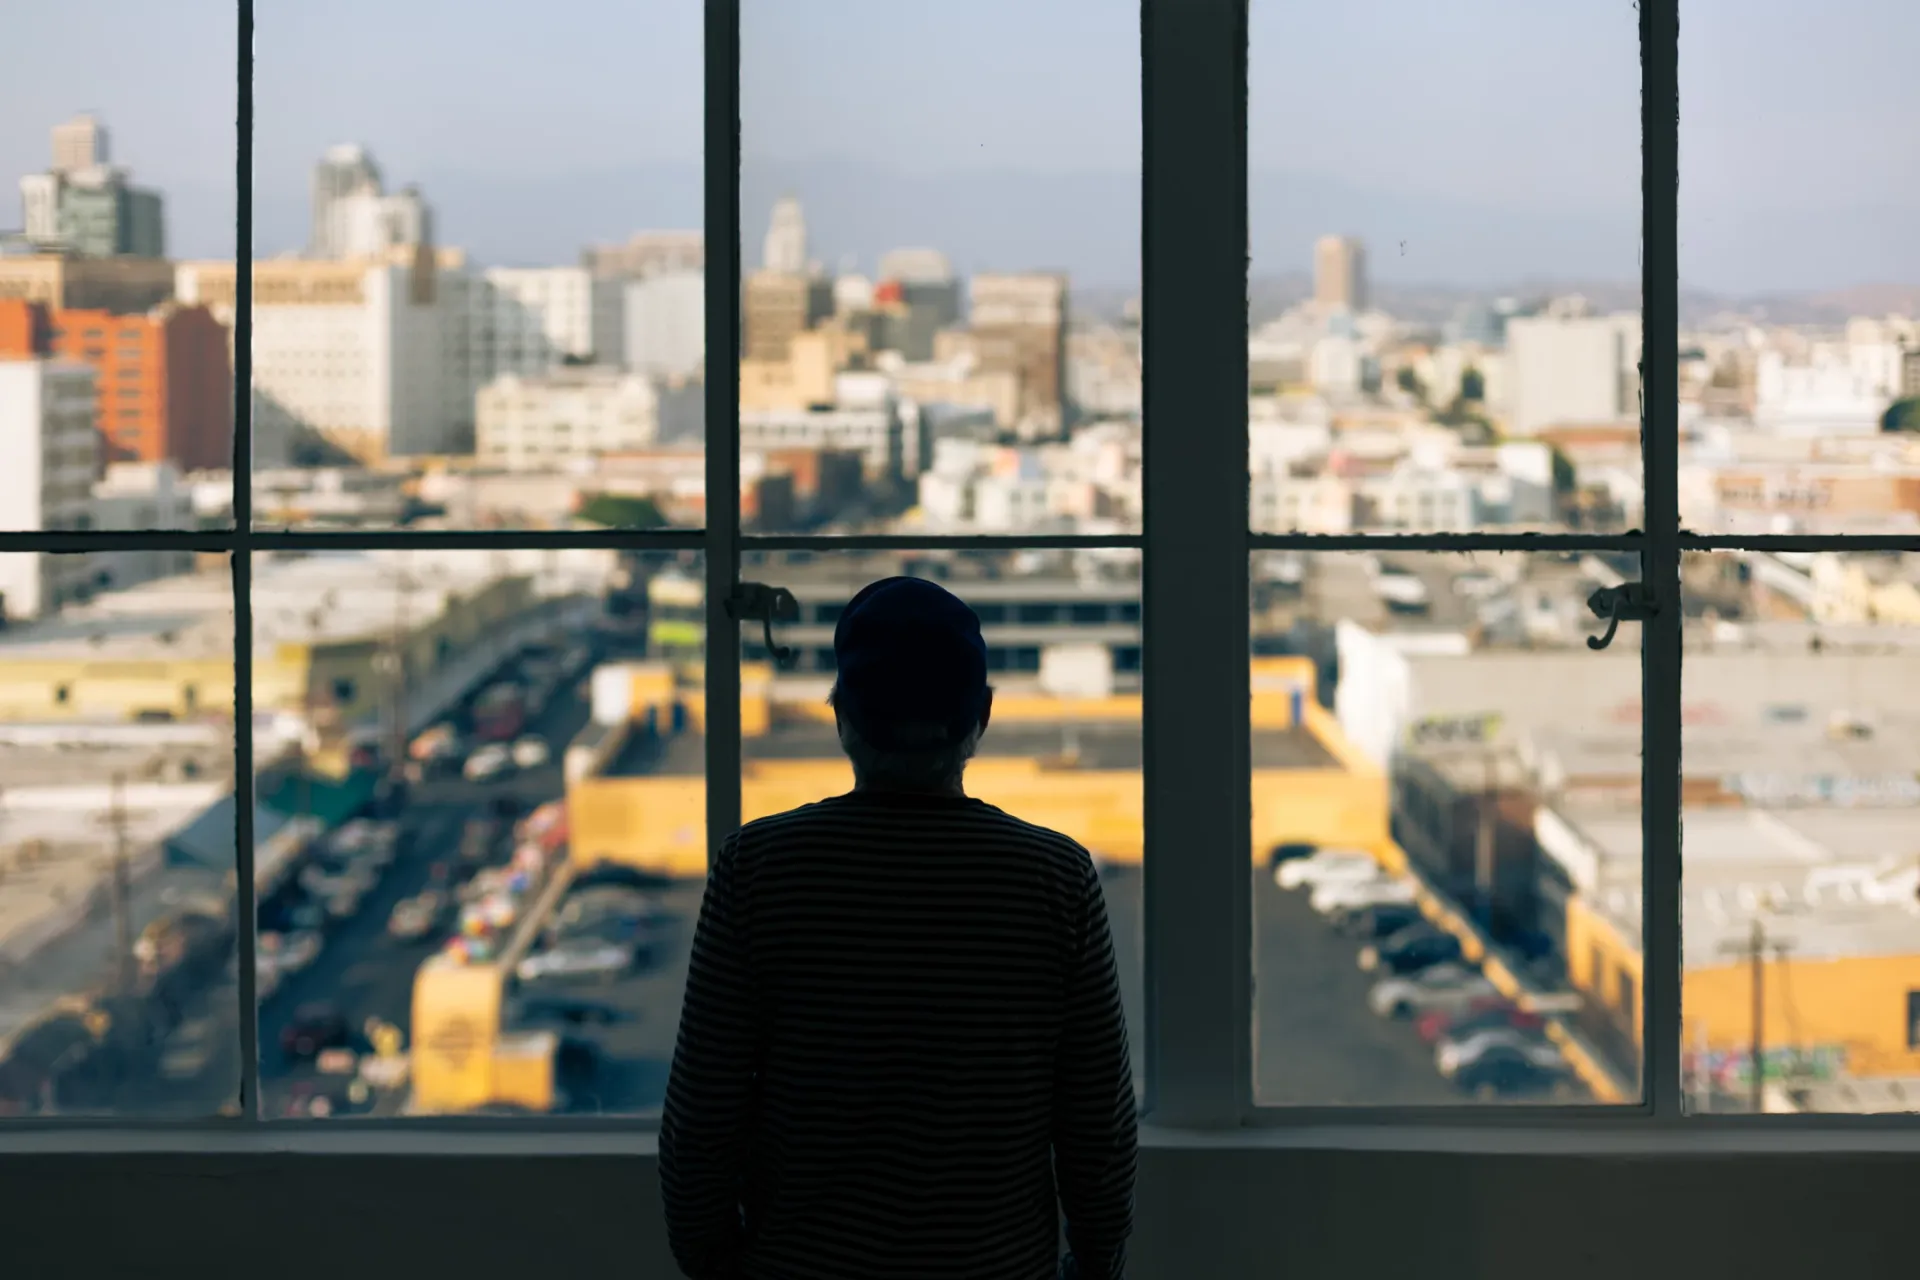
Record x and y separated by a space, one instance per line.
902 1026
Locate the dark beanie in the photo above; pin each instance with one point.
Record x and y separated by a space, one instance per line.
909 652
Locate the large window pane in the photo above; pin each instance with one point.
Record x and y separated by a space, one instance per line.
1445 235
1439 766
1801 926
940 230
478 295
1062 749
1799 338
115 402
117 990
492 770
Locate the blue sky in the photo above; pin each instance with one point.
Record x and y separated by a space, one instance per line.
1497 138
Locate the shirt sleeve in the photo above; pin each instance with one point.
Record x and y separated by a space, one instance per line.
710 1091
1094 1131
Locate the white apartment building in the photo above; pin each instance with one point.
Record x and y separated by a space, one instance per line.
529 319
666 323
875 433
371 358
568 416
1837 389
368 224
46 417
1572 368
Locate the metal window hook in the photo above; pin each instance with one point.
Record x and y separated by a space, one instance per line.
758 602
1628 602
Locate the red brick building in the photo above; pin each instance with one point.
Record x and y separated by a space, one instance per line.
165 380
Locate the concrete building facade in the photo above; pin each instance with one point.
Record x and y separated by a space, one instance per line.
46 415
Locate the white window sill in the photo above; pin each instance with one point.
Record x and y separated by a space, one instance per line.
1621 1137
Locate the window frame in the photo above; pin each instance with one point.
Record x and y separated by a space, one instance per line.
1198 1032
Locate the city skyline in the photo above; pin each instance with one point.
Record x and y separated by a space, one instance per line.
1788 192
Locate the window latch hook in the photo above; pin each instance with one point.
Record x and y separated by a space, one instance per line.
1628 602
758 602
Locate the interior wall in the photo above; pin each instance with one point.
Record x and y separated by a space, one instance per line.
1202 1214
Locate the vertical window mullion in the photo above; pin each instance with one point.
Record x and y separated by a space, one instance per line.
721 163
245 908
1660 638
1194 611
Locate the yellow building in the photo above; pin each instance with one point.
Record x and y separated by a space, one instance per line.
123 286
804 376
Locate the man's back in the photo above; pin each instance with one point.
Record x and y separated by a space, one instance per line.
902 1011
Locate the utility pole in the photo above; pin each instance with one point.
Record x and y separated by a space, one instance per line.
1757 957
122 891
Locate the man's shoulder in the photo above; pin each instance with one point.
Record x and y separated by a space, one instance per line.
981 820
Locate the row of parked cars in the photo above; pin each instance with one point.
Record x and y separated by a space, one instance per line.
1484 1042
329 889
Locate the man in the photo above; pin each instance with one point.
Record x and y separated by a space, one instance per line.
902 1025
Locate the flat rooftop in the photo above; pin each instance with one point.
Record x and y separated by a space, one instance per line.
1090 745
1829 883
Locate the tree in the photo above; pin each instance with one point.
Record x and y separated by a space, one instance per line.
1564 477
621 511
1472 385
1409 382
1902 415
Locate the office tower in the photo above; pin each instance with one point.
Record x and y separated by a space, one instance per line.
40 208
1340 273
929 298
80 143
647 253
785 248
533 318
1569 368
666 323
46 418
364 359
779 306
1019 325
344 171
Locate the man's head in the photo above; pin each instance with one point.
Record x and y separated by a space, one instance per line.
911 698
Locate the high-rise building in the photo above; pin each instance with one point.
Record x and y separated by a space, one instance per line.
124 286
46 418
666 324
785 248
87 207
371 224
1018 324
367 359
1340 273
647 253
780 305
533 318
343 172
929 297
164 386
1567 367
80 143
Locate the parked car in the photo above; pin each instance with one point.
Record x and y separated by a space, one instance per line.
1329 899
574 1013
312 1029
1454 1053
578 958
490 761
530 752
416 917
324 880
1328 866
1416 947
1441 987
1382 920
1505 1072
1289 851
1496 1011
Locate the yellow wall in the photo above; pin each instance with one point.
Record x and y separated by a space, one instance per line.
456 1025
114 688
660 822
1854 1003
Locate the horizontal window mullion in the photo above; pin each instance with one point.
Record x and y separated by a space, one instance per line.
939 542
1843 542
1518 542
478 539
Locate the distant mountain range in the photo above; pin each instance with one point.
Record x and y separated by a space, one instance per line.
1087 223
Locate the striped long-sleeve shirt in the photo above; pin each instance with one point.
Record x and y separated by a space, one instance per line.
902 1037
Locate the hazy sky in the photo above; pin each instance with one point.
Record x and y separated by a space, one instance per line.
1498 139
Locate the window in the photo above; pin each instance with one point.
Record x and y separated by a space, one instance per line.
1377 662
